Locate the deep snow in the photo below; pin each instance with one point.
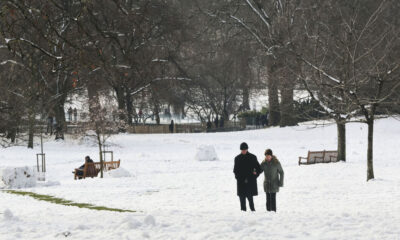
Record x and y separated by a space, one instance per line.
178 197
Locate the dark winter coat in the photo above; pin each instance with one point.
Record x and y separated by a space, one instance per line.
89 161
171 126
245 165
273 174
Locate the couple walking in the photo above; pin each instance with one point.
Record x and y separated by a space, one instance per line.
246 171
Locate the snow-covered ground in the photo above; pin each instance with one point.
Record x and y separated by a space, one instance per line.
179 197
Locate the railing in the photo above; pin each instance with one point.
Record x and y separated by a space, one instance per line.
77 128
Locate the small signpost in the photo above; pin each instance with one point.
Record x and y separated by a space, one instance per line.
41 162
104 152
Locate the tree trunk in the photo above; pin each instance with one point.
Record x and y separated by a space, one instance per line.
370 169
100 155
121 105
12 134
273 99
157 113
129 106
287 104
94 102
31 129
341 131
246 101
60 119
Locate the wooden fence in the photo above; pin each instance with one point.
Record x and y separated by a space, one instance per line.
77 128
185 128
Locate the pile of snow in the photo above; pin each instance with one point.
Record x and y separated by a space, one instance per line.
17 177
135 223
206 153
118 173
9 216
50 183
179 199
150 220
89 139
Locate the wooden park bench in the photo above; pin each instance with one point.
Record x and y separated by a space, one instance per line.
319 157
93 169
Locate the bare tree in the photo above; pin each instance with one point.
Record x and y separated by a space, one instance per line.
41 34
129 37
273 24
356 60
101 126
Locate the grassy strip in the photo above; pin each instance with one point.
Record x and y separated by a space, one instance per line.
64 202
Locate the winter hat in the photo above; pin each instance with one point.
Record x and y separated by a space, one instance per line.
268 152
243 146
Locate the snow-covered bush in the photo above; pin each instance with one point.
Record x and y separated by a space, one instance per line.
17 177
118 173
206 153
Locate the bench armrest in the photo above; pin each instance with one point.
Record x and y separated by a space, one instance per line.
300 160
333 157
76 170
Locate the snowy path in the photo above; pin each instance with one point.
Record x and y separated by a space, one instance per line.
180 198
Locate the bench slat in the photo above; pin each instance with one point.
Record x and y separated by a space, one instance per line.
319 157
93 169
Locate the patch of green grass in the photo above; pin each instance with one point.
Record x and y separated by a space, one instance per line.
65 202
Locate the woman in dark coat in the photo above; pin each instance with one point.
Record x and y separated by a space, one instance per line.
273 174
246 171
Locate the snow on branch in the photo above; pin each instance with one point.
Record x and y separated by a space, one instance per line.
160 79
159 60
259 14
35 46
140 44
321 103
322 71
140 89
122 66
173 78
17 94
12 62
94 70
255 35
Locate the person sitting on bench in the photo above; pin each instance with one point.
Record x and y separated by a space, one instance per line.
81 168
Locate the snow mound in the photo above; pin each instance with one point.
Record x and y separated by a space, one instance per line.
51 183
150 220
118 173
130 223
206 153
88 140
17 177
9 216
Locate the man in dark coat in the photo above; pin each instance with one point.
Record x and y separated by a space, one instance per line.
70 114
50 122
246 171
171 126
75 114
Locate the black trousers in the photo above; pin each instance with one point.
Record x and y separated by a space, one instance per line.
243 202
271 202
